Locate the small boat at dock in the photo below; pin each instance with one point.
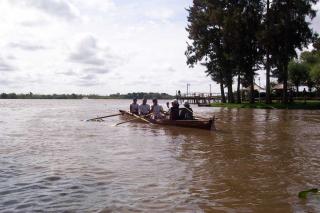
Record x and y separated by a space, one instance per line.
207 124
203 105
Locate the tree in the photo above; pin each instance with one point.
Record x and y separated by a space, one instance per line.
207 32
298 73
315 76
290 31
265 39
310 59
247 51
224 35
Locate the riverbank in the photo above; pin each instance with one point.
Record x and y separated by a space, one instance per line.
310 105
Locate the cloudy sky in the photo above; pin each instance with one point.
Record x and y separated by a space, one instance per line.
96 46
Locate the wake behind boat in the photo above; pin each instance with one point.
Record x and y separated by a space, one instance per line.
207 124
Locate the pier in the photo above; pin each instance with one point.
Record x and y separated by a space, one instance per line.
199 98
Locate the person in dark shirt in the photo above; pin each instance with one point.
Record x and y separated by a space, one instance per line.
186 113
134 107
174 110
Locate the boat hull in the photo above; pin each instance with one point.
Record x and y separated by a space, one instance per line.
198 124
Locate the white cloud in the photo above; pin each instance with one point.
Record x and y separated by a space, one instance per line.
97 46
57 8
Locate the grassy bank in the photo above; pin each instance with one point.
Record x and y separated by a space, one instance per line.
295 105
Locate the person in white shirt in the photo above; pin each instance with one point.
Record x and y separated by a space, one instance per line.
134 107
144 108
156 109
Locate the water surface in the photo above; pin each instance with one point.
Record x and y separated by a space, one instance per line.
257 160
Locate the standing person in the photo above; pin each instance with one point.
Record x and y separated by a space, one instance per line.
186 113
156 109
174 110
144 108
134 107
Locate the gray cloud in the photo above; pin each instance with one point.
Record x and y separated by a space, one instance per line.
11 57
97 60
34 23
88 80
86 52
5 82
88 77
87 83
58 8
67 73
26 46
6 67
97 70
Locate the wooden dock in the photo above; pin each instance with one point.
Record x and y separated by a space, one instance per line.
200 98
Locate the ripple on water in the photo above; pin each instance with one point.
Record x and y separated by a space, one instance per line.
255 162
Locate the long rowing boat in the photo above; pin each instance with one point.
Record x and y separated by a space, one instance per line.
207 124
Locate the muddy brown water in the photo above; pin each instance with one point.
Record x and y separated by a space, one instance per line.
256 161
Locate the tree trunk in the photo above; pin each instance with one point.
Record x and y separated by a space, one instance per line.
285 83
238 90
268 89
297 86
252 90
223 96
230 92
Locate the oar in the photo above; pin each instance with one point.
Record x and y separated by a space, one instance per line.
107 116
132 119
126 121
138 117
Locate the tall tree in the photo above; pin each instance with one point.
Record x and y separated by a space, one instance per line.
290 31
208 30
265 43
247 51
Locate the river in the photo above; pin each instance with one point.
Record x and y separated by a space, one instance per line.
256 160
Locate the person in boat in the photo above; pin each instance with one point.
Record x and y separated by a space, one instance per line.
156 109
174 110
134 107
186 112
144 108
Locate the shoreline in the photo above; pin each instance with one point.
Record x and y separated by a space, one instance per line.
309 105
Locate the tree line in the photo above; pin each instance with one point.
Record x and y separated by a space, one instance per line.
139 95
305 70
234 39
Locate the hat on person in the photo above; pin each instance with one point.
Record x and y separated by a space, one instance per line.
186 104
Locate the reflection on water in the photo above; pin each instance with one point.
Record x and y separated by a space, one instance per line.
257 160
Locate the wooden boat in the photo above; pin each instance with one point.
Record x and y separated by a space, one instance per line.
207 124
203 105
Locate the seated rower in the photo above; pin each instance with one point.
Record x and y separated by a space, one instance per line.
174 110
186 113
134 107
144 108
156 109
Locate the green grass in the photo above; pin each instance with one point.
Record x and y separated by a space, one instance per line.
296 105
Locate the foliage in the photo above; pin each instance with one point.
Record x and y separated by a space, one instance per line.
232 37
315 75
298 73
303 194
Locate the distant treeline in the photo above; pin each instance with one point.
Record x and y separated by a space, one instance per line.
139 95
